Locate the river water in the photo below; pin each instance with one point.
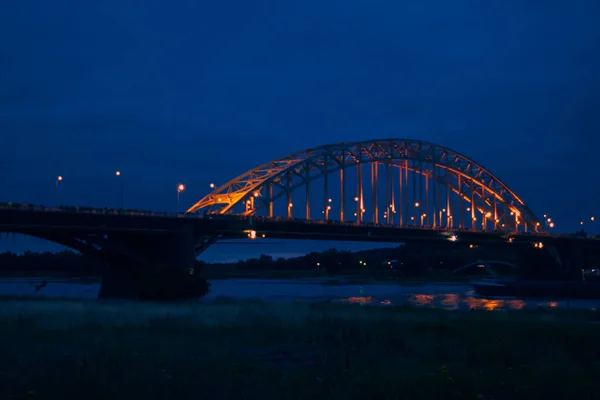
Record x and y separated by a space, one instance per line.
434 295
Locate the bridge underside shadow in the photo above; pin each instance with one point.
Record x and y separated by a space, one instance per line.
131 257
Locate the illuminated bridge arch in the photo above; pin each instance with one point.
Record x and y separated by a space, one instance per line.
412 183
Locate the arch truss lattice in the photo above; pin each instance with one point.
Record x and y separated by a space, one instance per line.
424 184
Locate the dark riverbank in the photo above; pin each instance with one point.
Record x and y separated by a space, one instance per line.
120 350
419 262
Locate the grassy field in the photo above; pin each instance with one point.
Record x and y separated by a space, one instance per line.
60 349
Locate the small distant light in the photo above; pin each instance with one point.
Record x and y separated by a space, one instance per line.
212 185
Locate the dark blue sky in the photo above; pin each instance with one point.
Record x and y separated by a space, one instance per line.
196 92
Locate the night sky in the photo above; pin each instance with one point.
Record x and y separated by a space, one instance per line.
198 92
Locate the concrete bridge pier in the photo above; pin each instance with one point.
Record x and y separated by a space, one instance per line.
572 259
133 258
565 257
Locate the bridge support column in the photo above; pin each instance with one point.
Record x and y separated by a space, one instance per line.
559 260
139 261
571 257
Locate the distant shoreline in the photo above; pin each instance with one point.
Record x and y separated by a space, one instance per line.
349 277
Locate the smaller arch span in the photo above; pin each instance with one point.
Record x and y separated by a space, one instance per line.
489 266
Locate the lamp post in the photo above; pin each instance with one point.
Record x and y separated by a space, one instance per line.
180 188
121 194
58 179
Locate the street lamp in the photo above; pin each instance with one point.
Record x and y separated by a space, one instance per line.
180 188
58 179
121 194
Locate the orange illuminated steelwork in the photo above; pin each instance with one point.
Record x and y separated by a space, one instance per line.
465 183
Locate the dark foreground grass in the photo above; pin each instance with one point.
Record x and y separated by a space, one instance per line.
91 350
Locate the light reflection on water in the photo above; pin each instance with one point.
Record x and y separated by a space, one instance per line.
443 295
451 301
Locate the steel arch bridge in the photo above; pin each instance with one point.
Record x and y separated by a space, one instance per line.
411 183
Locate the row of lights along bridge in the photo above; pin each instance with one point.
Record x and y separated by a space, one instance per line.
181 187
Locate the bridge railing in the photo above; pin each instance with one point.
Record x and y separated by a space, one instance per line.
145 213
92 210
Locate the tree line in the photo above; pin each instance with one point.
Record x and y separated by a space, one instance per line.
415 259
